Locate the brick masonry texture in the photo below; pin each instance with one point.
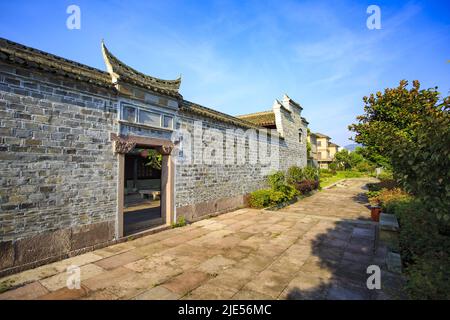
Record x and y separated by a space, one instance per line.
57 168
204 187
59 174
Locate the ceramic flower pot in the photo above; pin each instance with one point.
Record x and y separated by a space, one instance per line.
375 213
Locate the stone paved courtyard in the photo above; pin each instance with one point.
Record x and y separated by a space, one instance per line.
317 248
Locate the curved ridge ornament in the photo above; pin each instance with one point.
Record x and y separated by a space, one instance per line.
119 70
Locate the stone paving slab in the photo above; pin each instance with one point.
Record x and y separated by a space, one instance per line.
317 248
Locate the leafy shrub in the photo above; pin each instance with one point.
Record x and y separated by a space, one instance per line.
326 173
276 179
333 167
425 252
386 175
385 196
306 186
364 166
277 197
345 160
411 128
310 173
372 196
269 197
289 191
297 174
429 278
260 198
294 174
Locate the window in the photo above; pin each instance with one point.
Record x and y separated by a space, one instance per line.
167 122
149 118
300 136
129 114
319 143
319 155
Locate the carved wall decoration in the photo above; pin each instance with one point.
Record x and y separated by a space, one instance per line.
165 150
124 146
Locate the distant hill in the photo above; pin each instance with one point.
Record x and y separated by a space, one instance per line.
352 147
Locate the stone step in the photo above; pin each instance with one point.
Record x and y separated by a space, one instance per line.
394 262
388 222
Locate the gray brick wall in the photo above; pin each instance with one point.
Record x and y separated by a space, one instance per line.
197 183
57 168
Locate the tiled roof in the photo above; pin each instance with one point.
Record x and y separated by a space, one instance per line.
331 144
120 70
320 135
33 58
292 101
265 118
16 53
210 113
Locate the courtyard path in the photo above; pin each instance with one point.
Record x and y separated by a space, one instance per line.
317 248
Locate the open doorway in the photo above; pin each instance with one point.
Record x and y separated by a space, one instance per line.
142 190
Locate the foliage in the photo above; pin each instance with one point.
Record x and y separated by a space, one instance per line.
326 173
385 184
411 127
181 222
422 165
385 196
310 173
386 175
284 187
392 116
276 179
364 166
154 159
267 197
333 167
346 160
288 191
429 278
296 174
260 198
374 159
306 186
425 252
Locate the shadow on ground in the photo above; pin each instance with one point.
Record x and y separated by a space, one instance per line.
338 267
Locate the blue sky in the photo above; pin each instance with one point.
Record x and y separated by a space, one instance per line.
238 56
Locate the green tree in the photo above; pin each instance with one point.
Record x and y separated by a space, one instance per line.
345 160
411 128
393 116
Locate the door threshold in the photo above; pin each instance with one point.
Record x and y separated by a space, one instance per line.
147 232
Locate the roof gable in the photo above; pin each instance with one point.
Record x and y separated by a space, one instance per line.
119 70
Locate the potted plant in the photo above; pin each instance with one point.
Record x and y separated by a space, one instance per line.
375 211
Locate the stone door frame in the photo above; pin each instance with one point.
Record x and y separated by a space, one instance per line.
124 144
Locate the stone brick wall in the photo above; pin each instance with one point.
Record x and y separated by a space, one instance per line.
58 174
201 189
293 152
